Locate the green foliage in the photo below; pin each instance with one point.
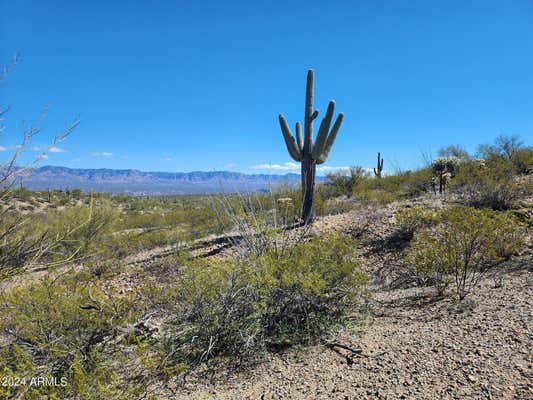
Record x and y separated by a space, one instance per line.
391 187
53 238
60 328
83 231
342 184
462 247
522 160
488 183
454 150
236 310
412 219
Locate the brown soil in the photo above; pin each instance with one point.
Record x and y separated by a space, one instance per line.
416 346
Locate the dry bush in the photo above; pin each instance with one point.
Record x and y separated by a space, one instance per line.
464 245
236 310
489 183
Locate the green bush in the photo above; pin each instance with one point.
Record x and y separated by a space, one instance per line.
236 310
80 231
60 328
342 184
488 183
56 237
522 160
389 188
412 219
465 244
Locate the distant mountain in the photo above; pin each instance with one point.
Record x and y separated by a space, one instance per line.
137 182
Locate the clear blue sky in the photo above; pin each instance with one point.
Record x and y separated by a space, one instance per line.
198 85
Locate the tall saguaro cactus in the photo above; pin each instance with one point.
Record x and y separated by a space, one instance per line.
379 169
306 152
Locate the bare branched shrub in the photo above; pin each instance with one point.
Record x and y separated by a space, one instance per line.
463 247
16 246
257 223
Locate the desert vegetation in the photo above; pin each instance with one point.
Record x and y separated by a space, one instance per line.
121 297
129 297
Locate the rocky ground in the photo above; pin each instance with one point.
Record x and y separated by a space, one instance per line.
415 346
412 345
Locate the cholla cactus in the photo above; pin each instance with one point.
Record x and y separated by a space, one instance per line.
479 162
377 172
445 168
302 149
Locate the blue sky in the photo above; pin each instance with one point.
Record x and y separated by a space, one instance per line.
198 85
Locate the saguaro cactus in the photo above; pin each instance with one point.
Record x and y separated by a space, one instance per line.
306 152
379 169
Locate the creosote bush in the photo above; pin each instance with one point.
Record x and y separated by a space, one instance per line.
465 244
238 309
488 183
63 328
411 219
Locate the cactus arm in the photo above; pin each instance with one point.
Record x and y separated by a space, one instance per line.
308 122
292 147
375 173
299 139
323 131
331 139
314 115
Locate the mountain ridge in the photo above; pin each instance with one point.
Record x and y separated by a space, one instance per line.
137 182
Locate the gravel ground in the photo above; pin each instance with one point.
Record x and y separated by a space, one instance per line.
414 347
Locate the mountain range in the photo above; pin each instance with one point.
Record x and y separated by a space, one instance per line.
135 182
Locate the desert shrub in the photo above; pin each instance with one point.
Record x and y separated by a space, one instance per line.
80 231
504 146
378 196
522 160
416 183
465 244
343 184
455 151
125 243
236 310
57 237
412 219
22 194
62 328
20 242
488 183
336 206
402 185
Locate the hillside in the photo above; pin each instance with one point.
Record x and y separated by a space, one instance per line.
395 291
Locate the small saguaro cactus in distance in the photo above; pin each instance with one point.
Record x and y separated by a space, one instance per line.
379 169
306 152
